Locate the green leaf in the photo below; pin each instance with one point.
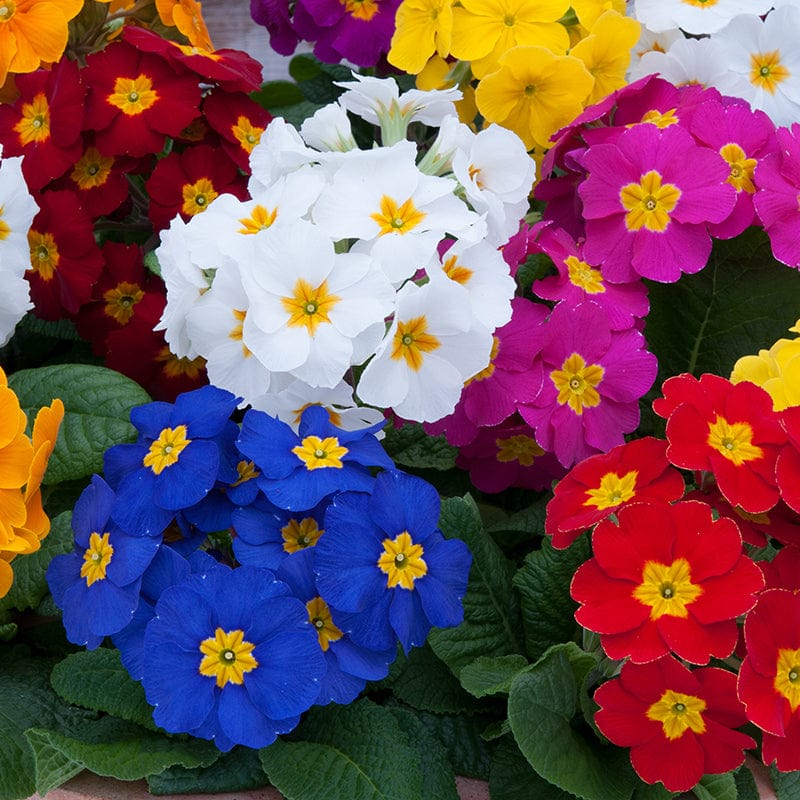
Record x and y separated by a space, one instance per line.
304 67
355 752
97 403
491 623
461 736
542 705
543 584
117 749
237 771
652 791
787 784
277 94
30 586
296 113
716 787
410 446
529 520
426 683
512 778
487 675
57 329
97 680
742 301
746 787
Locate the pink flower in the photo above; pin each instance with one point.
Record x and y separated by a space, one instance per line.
647 201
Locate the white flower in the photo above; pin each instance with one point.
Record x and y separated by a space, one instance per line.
453 135
764 63
687 61
313 312
281 150
14 301
329 129
651 42
433 346
17 210
399 214
693 16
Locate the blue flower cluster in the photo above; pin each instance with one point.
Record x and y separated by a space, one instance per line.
246 573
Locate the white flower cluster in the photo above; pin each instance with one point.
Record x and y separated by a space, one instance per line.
740 47
349 273
17 210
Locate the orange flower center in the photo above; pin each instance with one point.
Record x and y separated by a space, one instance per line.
34 125
120 301
766 70
411 341
91 169
44 254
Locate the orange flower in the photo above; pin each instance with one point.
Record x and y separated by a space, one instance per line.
32 32
187 17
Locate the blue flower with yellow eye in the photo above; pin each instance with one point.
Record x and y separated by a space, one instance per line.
297 470
174 463
384 561
97 585
230 656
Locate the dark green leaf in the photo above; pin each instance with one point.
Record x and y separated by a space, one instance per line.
716 787
278 94
304 67
410 446
237 771
787 784
746 787
512 778
487 675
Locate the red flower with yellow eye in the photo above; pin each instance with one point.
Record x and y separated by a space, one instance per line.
44 123
240 122
728 429
666 578
136 100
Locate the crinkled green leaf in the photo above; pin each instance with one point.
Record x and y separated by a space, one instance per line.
746 787
487 675
461 736
411 446
237 771
511 777
787 784
277 94
716 787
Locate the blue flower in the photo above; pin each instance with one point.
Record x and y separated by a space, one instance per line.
299 469
383 559
97 585
174 463
230 656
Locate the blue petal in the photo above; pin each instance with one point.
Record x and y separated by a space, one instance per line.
151 418
297 571
131 556
204 411
268 442
121 460
92 510
373 665
337 686
134 510
369 452
402 502
370 628
75 621
212 513
408 618
190 478
445 584
62 572
241 720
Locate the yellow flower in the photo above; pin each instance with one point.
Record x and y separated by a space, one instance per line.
534 93
606 52
485 29
421 28
437 74
33 32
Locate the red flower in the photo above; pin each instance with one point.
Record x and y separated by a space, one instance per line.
240 122
44 124
185 183
730 430
769 678
678 723
65 260
787 470
783 572
666 578
601 484
136 100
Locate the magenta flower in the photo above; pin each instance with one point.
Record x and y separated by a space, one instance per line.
593 379
778 182
578 280
743 137
647 201
512 377
274 16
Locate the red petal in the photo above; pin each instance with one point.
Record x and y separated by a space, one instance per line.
678 763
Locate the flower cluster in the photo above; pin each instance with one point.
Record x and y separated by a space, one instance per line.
268 569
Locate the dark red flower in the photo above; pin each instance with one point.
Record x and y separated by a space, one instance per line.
787 470
678 723
666 578
783 572
240 122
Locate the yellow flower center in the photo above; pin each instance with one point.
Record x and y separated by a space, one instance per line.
787 677
649 203
678 713
309 306
667 588
319 615
197 196
318 453
120 301
227 657
44 254
766 70
521 448
96 558
742 167
246 471
411 341
734 441
165 451
5 228
299 535
457 272
661 119
576 383
247 134
334 416
397 219
488 370
402 561
91 169
237 331
700 3
174 367
133 96
584 276
613 490
34 124
361 9
259 220
7 9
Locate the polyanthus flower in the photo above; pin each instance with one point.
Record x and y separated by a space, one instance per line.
598 486
787 469
239 120
666 578
186 16
647 200
299 469
422 28
593 379
730 430
384 560
695 17
97 585
684 61
230 656
678 723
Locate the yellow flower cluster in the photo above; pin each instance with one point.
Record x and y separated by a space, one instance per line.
777 370
538 63
23 460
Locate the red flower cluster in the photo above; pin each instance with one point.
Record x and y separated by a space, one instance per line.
145 131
